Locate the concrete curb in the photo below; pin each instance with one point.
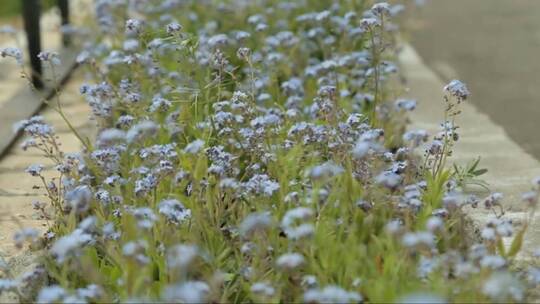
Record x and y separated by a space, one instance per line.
17 190
26 102
21 102
511 169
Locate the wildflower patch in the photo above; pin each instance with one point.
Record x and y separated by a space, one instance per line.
253 151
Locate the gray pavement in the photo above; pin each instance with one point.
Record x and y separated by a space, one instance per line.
511 169
494 46
17 100
17 190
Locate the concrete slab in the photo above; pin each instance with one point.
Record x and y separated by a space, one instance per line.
23 184
26 102
17 100
16 187
511 168
9 228
493 46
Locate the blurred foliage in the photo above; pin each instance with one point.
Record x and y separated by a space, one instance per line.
10 8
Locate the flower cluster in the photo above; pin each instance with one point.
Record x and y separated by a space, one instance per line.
258 158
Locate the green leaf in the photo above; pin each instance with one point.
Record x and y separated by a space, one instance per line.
500 247
474 165
479 172
517 243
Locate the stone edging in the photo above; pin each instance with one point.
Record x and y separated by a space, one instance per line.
511 169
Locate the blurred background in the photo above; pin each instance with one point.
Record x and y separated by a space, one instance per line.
50 30
494 47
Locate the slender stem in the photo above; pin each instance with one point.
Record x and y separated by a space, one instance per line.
376 76
252 74
61 112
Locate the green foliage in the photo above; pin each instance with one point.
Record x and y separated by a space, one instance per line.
468 174
354 224
12 8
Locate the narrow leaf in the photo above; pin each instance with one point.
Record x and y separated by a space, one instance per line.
517 243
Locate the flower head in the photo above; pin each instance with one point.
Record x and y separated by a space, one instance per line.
174 211
51 57
457 89
14 53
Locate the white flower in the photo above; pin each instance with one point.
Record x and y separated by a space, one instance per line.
70 245
133 27
160 104
427 266
405 104
79 198
194 147
263 289
229 183
218 40
493 262
389 179
34 170
243 53
530 197
381 8
51 57
309 281
181 256
173 27
502 287
457 89
130 45
416 137
90 292
300 213
83 57
51 294
141 131
145 217
493 199
434 223
174 211
261 184
368 23
422 298
187 292
290 261
326 170
25 234
255 222
293 225
414 239
394 226
331 294
111 136
488 234
536 182
14 53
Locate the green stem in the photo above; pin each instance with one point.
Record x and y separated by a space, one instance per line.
59 110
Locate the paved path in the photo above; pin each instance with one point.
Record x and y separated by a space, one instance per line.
511 169
16 186
10 80
17 100
494 46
